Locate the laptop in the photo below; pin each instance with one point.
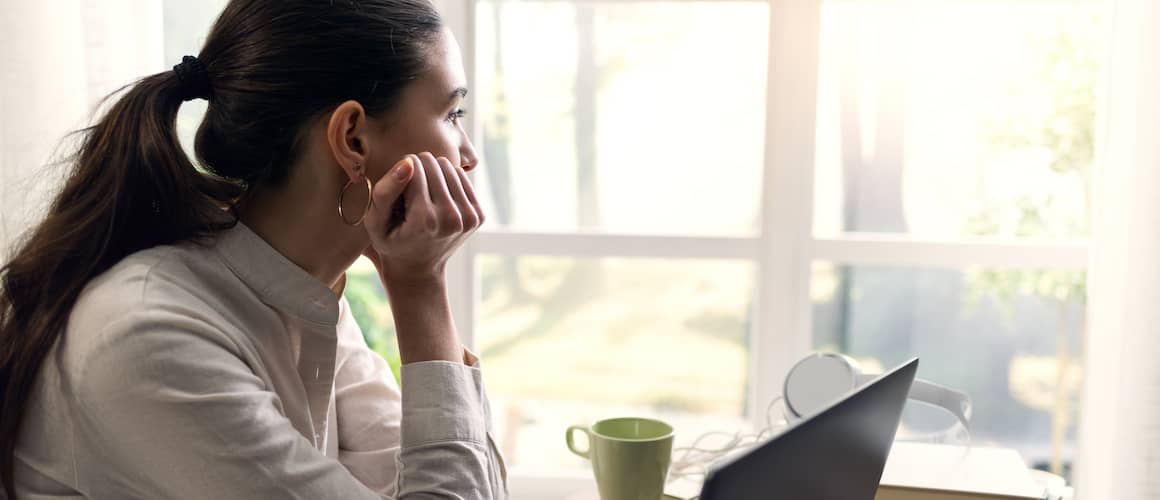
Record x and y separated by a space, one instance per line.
837 454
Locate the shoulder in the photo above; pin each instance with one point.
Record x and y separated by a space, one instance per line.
160 298
155 278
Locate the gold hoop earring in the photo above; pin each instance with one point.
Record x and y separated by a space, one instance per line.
370 198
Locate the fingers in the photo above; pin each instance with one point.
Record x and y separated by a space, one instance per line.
441 211
391 185
439 197
418 196
449 220
385 192
455 185
436 184
469 190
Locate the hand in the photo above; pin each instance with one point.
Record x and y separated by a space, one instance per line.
440 211
411 252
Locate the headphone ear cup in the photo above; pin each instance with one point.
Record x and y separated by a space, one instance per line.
817 381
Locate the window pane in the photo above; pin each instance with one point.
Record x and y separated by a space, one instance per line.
957 119
1010 339
625 118
574 340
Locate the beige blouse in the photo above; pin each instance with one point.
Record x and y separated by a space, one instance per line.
227 372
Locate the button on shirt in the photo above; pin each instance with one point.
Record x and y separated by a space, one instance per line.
223 370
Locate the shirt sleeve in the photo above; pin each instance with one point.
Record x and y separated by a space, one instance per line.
165 407
442 415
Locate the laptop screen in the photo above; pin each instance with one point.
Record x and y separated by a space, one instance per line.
837 454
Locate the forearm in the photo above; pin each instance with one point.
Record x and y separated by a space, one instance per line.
424 326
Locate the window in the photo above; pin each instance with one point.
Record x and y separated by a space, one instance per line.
951 202
686 197
615 275
719 185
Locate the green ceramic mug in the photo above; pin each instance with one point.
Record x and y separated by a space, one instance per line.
630 456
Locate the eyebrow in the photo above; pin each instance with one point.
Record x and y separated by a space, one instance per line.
459 92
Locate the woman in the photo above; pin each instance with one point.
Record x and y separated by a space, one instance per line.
170 332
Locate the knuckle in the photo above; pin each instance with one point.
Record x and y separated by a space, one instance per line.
450 221
430 220
470 219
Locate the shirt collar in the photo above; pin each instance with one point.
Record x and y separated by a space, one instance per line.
277 281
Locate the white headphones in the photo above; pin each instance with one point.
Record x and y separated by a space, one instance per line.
811 386
821 378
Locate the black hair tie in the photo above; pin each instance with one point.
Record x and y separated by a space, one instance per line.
193 78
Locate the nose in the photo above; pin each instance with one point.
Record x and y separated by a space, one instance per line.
467 154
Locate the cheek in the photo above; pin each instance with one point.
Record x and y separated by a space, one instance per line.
439 139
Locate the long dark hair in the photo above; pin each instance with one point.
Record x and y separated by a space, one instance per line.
272 65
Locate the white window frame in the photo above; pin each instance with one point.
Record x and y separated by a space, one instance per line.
783 251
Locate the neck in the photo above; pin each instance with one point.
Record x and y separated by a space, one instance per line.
305 232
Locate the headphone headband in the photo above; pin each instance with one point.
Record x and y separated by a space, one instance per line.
821 378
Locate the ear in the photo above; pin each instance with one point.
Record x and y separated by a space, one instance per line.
346 132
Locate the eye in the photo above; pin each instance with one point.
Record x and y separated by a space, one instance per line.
456 114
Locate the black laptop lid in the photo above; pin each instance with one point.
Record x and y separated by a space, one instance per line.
838 454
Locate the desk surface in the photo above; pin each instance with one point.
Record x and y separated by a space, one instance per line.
684 488
979 469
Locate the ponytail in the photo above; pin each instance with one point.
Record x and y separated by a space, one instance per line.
268 67
131 187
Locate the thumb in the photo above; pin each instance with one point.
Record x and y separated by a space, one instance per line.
390 186
387 190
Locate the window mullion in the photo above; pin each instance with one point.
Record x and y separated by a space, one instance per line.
902 251
781 318
459 16
599 245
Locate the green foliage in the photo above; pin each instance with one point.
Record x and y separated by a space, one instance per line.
1065 80
1065 287
368 304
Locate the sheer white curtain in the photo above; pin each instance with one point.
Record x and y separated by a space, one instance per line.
59 58
1120 416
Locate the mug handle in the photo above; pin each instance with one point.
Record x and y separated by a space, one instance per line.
572 445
